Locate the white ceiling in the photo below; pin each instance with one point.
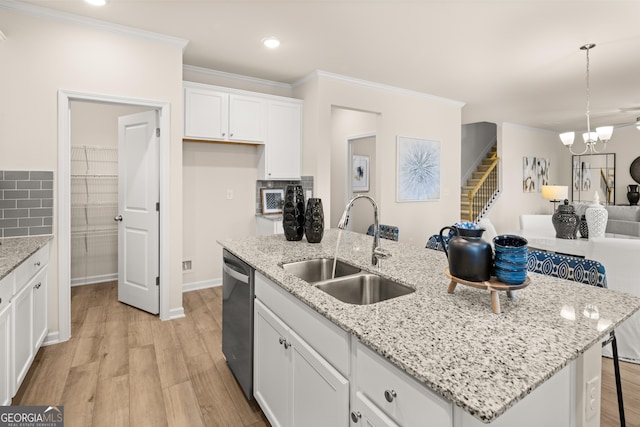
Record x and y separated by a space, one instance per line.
511 61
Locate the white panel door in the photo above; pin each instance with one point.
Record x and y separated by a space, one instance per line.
138 195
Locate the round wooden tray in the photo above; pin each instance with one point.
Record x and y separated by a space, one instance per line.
493 285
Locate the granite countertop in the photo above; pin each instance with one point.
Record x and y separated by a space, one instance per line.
14 250
452 343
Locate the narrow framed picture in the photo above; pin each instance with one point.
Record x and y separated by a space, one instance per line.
272 199
418 170
360 174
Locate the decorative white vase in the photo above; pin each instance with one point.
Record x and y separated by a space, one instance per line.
597 217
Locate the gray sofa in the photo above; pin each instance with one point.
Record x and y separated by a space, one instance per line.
623 220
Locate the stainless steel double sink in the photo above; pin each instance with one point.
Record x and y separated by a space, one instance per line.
350 284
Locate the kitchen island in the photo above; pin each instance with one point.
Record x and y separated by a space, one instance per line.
453 344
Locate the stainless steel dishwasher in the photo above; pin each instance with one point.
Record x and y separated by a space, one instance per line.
237 319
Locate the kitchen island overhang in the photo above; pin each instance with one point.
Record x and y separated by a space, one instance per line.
452 343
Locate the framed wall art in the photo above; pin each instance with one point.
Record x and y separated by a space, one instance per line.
360 174
272 200
418 169
535 174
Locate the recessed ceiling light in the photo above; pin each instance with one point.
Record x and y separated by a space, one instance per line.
96 2
271 42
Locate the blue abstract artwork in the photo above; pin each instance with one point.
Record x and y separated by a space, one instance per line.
418 170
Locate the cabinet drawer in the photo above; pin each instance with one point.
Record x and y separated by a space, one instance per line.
411 402
31 266
322 335
6 290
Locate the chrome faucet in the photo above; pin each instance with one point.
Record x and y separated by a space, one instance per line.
376 251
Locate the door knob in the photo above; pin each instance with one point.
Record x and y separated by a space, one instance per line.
390 395
118 218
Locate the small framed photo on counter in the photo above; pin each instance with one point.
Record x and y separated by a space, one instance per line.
272 200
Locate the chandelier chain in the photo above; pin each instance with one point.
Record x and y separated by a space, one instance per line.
588 96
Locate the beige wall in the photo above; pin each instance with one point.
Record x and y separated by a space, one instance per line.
362 212
514 143
346 123
402 114
42 56
209 170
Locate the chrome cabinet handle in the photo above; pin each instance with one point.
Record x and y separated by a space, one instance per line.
37 263
390 395
38 285
286 344
355 416
224 133
118 218
231 134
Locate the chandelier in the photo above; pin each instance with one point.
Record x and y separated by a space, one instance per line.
601 134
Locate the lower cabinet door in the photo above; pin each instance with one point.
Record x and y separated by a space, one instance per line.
39 286
22 342
271 366
320 392
365 413
5 356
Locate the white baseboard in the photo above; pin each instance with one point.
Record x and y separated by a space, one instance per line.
81 281
176 313
51 338
203 284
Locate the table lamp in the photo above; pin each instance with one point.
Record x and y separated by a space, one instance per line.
555 193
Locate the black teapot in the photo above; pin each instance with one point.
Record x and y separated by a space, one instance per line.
470 257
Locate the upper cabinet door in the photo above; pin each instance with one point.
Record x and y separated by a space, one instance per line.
206 114
246 118
283 149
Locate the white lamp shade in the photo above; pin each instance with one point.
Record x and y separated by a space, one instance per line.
555 192
567 138
590 137
605 132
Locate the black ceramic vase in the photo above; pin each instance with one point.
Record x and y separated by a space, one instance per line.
314 220
470 257
632 194
293 213
583 228
566 221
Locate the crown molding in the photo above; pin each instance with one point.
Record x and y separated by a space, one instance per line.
236 77
45 12
525 127
317 74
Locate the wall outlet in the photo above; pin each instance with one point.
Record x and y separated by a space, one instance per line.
592 398
229 194
186 265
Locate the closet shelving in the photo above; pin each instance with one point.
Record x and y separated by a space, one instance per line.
94 204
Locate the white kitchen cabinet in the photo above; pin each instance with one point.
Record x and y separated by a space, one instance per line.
26 318
293 384
398 396
39 287
268 226
217 115
365 413
21 336
280 157
5 354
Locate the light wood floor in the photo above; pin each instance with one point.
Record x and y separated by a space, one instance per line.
124 367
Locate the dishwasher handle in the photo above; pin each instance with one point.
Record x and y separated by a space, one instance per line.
236 275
